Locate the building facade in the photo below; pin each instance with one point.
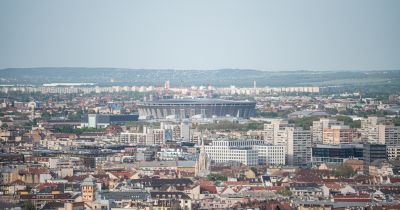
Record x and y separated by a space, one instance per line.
241 151
336 153
299 146
187 108
271 154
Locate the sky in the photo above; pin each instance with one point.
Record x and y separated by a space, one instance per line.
206 34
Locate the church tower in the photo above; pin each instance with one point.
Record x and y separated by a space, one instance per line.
88 189
202 168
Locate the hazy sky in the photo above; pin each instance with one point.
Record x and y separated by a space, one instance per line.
265 35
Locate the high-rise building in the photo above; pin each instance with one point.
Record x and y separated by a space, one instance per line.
340 135
373 152
298 146
318 127
155 136
275 132
185 130
389 135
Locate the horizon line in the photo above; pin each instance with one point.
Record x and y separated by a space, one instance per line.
216 69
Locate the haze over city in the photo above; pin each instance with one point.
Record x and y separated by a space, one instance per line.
197 105
203 35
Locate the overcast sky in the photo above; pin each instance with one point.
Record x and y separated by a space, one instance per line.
264 35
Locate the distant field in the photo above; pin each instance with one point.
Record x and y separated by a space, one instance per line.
223 77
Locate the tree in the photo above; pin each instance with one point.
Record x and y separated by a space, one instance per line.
254 169
305 122
28 205
356 124
344 170
347 120
267 114
216 177
396 121
4 126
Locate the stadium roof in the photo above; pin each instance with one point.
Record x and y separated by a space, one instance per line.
197 101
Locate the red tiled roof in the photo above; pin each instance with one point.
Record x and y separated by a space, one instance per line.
257 188
38 170
333 185
122 174
18 181
274 188
206 183
44 185
236 182
208 188
394 179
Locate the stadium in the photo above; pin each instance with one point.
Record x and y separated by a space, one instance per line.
187 108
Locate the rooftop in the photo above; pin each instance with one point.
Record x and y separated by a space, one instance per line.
197 101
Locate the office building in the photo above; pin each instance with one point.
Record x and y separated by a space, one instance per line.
241 151
373 152
271 154
339 153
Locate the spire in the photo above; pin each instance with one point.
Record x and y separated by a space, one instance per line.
202 144
202 167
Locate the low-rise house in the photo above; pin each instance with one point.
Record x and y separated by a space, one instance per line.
159 184
306 190
171 200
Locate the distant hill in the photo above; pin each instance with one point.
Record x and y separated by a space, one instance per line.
221 77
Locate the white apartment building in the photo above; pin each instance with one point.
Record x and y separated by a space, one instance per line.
271 154
299 146
174 130
275 132
389 135
170 154
295 141
155 137
149 136
370 129
393 152
185 130
133 138
241 151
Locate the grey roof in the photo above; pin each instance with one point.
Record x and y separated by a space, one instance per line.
128 195
195 101
309 113
157 164
107 118
169 195
188 163
89 181
153 182
340 204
